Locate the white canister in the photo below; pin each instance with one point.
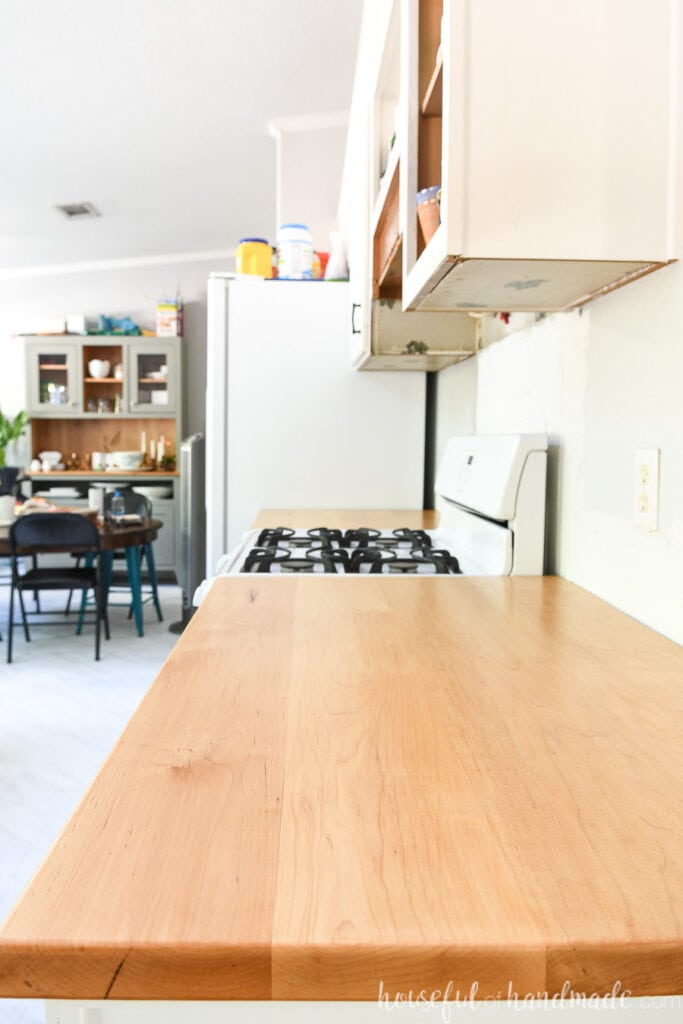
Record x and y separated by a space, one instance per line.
96 499
294 253
6 508
97 460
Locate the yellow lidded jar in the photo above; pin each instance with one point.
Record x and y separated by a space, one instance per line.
254 256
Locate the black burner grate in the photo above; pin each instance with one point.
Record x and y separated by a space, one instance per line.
363 550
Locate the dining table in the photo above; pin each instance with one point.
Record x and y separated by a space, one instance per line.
126 537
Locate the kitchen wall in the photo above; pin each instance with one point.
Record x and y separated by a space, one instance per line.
310 157
601 383
115 291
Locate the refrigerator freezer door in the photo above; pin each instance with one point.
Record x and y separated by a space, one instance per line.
289 423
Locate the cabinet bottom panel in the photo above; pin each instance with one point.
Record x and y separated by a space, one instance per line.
542 286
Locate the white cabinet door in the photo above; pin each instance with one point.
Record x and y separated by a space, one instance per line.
551 137
54 381
153 376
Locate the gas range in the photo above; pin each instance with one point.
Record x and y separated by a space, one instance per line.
490 496
329 551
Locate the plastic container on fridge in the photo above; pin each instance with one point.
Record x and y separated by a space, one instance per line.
254 256
294 253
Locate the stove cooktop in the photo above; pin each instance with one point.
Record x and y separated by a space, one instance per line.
360 551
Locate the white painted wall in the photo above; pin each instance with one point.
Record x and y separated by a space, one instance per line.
117 291
309 167
601 384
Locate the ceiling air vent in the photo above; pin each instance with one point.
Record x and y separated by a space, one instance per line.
79 210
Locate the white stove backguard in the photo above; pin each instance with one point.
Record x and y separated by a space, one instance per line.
491 499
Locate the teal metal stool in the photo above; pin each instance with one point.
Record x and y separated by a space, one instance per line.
135 556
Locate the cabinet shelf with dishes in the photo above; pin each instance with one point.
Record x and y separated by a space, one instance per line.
106 394
129 376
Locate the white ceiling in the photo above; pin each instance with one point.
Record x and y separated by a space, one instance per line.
156 112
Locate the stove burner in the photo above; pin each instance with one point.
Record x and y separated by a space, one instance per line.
416 538
271 538
297 565
411 564
330 558
374 557
451 562
299 542
326 538
360 538
260 559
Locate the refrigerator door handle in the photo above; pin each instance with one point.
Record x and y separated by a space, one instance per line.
354 307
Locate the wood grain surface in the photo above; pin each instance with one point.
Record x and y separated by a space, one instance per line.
346 519
399 781
112 536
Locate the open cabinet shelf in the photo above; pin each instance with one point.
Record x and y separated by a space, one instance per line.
383 337
387 240
494 114
432 103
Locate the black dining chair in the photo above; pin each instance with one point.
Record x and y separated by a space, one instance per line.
53 533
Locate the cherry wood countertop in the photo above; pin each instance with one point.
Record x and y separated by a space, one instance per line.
346 519
336 784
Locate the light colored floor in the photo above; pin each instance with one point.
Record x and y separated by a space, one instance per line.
60 714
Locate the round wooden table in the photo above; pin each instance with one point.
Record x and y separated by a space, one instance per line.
114 537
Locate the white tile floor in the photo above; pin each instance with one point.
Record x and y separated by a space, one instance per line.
60 713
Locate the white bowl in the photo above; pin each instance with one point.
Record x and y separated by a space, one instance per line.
127 460
99 367
155 493
52 458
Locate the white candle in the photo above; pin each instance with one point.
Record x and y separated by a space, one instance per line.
160 449
143 441
152 451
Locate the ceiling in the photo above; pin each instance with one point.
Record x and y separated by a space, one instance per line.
155 111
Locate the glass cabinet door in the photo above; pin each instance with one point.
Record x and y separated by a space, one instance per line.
54 381
153 377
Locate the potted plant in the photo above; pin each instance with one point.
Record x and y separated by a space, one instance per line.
10 430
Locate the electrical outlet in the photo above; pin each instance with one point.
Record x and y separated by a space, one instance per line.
647 489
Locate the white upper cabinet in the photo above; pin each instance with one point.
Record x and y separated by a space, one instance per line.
383 337
551 129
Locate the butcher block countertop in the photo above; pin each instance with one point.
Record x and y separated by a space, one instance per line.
335 784
346 519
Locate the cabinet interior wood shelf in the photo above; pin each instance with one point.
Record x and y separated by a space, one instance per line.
432 104
103 380
387 238
53 366
390 277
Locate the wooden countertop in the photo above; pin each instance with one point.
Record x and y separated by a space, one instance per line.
336 783
101 474
346 519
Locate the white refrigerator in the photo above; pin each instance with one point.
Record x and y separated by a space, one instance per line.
289 424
